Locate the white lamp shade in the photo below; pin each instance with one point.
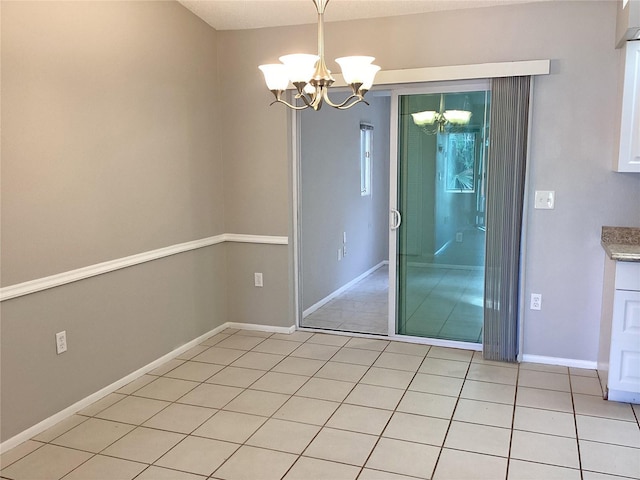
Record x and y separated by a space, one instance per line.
369 74
457 117
300 66
424 118
354 69
275 75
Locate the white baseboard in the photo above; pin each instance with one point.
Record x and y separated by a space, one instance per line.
563 362
85 402
341 290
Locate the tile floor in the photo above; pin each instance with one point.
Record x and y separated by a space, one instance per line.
251 405
437 302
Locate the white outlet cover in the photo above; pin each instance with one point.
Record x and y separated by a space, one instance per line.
545 199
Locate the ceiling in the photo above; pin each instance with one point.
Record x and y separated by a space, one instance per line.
244 14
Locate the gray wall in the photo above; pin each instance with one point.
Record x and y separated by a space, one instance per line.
330 199
572 139
110 147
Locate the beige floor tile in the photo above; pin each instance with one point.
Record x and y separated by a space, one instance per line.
293 337
636 408
484 413
255 402
192 352
385 377
59 428
211 396
220 356
404 458
135 410
447 368
407 348
100 468
488 392
315 351
490 373
545 421
451 354
549 449
607 430
370 474
342 371
586 475
49 461
586 385
143 445
100 405
598 407
280 383
159 473
610 459
284 436
166 367
417 428
477 358
367 344
356 355
520 470
455 465
359 419
16 453
439 385
93 435
277 347
240 342
169 389
314 469
138 383
583 372
180 418
299 366
373 396
544 380
230 426
325 389
231 331
539 367
326 339
398 361
236 377
194 371
545 399
252 463
465 436
258 361
197 455
306 410
215 339
427 404
341 446
254 333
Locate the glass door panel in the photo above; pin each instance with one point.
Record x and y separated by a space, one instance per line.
440 196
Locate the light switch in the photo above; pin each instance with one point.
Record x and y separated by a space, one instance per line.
545 199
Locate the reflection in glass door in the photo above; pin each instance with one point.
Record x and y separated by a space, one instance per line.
440 242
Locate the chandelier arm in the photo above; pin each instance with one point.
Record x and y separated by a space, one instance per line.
341 106
278 95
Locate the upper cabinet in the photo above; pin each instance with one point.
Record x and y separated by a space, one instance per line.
627 21
628 158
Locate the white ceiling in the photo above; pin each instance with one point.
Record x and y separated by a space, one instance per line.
243 14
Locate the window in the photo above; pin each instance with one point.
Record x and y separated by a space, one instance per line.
366 145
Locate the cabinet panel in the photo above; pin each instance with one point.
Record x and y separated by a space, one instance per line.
629 153
624 371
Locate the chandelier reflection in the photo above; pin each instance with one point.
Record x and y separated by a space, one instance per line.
432 122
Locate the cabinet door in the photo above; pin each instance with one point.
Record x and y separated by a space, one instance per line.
624 364
629 157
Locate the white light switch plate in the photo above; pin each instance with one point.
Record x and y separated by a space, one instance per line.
545 199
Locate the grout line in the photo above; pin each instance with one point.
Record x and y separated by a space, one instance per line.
575 424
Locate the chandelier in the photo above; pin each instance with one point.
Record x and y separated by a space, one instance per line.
432 122
311 77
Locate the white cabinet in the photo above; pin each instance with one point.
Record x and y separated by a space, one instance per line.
623 317
628 159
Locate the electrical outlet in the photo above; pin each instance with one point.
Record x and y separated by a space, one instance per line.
536 301
459 237
257 280
61 342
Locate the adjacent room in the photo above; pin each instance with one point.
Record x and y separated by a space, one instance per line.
201 282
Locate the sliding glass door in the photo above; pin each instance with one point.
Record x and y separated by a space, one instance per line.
437 241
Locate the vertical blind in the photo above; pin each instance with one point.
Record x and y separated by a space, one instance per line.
506 165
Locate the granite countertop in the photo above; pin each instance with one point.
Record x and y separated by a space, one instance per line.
621 243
